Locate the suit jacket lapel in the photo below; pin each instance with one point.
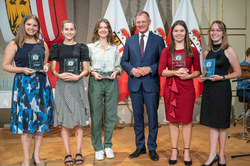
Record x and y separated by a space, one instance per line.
137 46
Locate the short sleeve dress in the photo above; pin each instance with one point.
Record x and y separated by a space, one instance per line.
217 96
179 95
71 103
32 99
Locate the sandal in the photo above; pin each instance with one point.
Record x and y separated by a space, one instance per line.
68 162
79 161
172 162
188 163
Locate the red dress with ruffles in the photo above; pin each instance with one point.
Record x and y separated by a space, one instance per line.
179 95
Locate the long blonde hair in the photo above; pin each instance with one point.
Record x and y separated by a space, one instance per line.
96 37
187 45
223 28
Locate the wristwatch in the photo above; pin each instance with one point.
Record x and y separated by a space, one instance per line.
223 78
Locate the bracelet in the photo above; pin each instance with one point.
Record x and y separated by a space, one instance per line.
223 78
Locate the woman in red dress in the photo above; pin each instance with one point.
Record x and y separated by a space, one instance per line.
175 63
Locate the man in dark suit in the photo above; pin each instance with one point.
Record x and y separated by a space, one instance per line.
140 60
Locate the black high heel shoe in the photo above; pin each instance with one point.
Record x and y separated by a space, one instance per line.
216 159
188 163
219 164
172 162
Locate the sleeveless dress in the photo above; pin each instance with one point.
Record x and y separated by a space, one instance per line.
179 95
32 99
217 96
71 103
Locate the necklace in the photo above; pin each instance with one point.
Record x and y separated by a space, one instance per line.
216 50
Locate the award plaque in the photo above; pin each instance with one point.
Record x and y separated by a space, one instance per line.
35 61
71 65
178 61
209 65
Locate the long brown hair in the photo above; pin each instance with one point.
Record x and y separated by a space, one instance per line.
187 44
21 33
248 52
96 37
223 28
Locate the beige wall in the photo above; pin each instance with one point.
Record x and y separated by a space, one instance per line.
233 13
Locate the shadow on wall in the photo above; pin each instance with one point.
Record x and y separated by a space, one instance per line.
5 116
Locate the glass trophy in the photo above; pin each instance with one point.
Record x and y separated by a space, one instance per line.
35 61
71 65
209 67
178 61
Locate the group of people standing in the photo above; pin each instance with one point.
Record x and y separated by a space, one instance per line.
144 59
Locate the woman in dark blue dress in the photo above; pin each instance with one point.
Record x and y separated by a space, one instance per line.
217 94
32 105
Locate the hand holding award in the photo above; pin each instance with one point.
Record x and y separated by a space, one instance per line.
209 67
35 61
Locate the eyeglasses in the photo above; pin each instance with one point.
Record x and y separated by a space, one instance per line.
215 30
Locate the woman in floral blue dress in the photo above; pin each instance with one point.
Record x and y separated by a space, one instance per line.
32 102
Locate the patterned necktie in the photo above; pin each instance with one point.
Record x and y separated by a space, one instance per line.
142 45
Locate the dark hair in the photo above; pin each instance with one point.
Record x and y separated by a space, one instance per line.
96 37
187 45
223 28
248 52
21 33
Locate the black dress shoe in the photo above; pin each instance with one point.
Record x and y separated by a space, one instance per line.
137 152
216 158
153 155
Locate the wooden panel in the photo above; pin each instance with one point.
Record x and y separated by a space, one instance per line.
215 9
237 41
234 13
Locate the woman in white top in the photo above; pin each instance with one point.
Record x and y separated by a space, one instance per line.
104 68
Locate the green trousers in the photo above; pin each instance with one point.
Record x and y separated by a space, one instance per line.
101 93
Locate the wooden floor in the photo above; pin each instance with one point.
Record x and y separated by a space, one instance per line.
52 150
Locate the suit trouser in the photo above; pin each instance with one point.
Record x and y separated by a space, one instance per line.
100 91
151 100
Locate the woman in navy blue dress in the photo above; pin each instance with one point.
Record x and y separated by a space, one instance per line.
32 105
